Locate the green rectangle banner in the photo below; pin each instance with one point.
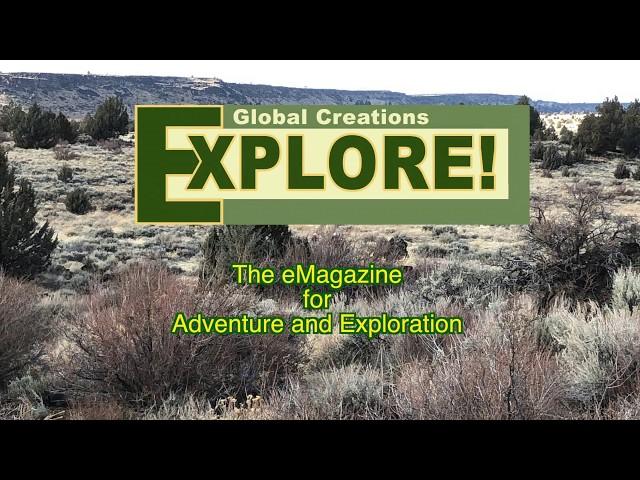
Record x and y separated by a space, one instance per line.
332 164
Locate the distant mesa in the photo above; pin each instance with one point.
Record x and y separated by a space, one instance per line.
77 95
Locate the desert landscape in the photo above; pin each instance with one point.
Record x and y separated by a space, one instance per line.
551 310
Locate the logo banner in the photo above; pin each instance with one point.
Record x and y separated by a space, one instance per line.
335 164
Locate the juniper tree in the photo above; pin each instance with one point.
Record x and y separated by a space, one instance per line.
242 243
611 124
588 134
566 135
66 130
36 129
111 119
10 116
604 132
25 246
630 141
535 122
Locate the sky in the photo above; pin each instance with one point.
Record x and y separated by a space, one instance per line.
557 80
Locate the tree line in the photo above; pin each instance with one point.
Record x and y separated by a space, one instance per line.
611 128
40 128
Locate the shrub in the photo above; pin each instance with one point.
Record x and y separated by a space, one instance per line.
97 407
353 392
626 289
386 351
10 117
630 140
27 389
110 120
86 139
621 171
599 350
242 244
537 151
65 130
111 144
463 283
124 346
78 201
575 154
63 152
65 174
535 123
495 371
587 133
547 174
612 127
551 159
565 171
25 246
566 135
37 129
23 329
549 133
392 250
538 135
328 247
576 251
199 407
636 173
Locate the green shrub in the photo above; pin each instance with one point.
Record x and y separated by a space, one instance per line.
37 129
630 141
65 130
461 283
599 350
25 246
626 289
78 202
621 171
549 133
537 151
241 244
636 173
613 127
551 159
65 174
110 120
566 135
40 128
575 154
10 117
535 122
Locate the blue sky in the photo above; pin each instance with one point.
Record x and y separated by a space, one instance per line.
559 80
